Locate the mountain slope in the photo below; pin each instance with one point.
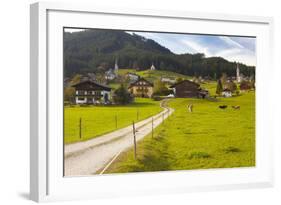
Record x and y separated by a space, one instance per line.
96 50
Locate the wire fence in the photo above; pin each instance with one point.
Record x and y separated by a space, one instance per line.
77 128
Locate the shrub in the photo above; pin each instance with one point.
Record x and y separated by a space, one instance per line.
156 98
122 96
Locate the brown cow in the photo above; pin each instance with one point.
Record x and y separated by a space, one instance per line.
236 107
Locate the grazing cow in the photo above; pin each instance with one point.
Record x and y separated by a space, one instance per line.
236 107
190 107
223 106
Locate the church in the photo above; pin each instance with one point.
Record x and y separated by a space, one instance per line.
152 67
111 74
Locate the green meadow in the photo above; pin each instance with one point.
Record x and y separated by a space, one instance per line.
98 120
208 137
153 75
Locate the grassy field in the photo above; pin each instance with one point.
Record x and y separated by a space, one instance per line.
207 138
210 86
153 75
98 120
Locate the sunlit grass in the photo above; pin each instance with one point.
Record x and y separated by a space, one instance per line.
98 120
207 138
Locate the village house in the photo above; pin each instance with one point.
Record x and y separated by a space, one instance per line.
141 88
226 93
245 85
132 77
187 88
202 93
110 74
91 92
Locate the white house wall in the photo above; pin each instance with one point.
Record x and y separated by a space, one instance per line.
80 101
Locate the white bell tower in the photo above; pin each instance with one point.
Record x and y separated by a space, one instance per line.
116 67
152 67
238 77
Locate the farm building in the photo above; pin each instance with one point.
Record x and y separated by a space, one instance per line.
132 77
90 92
203 93
245 85
141 88
226 93
187 88
110 74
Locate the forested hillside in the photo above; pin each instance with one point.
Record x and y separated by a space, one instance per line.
96 51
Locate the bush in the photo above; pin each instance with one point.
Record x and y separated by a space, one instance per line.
160 88
156 98
122 96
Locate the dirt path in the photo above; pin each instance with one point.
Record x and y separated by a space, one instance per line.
86 158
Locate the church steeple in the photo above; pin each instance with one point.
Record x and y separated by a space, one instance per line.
116 67
238 77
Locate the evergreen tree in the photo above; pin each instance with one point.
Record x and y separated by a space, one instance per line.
223 78
219 87
160 88
122 96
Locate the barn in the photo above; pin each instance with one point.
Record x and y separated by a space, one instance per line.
188 89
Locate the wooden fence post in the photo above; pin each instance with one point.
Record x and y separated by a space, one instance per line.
135 143
80 128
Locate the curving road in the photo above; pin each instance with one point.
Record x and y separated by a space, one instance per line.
89 157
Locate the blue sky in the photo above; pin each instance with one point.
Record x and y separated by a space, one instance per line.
239 49
232 48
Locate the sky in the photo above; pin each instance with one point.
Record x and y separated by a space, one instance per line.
232 48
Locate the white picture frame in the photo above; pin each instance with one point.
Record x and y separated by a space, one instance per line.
46 179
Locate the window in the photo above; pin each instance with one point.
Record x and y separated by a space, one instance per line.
81 99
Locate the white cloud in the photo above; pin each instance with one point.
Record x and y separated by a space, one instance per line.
231 42
197 47
239 55
228 52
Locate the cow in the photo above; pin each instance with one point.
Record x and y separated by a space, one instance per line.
223 106
236 107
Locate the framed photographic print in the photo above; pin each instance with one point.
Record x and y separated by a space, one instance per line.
127 102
